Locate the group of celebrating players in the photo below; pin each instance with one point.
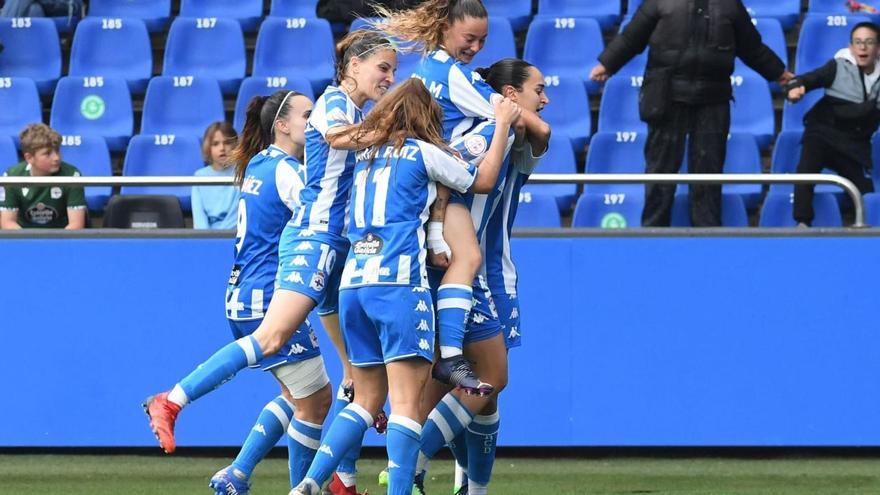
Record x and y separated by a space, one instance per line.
389 223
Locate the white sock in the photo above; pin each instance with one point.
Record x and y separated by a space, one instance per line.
447 351
178 396
348 479
477 489
460 477
421 463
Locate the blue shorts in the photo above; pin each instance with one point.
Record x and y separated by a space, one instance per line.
382 324
311 264
302 345
483 322
508 312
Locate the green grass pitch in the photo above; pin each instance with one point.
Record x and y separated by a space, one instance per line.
151 475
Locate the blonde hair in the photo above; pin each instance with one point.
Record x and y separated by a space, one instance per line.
423 26
35 137
225 128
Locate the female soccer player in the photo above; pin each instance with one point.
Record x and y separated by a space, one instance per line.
385 302
450 33
310 242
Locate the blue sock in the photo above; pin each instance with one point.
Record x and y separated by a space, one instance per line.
269 428
346 431
303 440
453 305
459 448
221 367
482 436
348 464
403 450
445 422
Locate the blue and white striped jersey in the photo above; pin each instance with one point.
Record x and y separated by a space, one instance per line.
389 207
272 184
324 200
500 272
461 92
473 147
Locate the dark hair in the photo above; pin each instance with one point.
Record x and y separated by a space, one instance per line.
506 72
870 25
259 127
360 43
225 128
424 24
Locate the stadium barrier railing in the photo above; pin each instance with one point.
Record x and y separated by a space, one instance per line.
851 190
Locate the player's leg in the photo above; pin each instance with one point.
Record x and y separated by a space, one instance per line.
406 380
454 299
286 312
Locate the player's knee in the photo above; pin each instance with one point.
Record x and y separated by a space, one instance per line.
469 257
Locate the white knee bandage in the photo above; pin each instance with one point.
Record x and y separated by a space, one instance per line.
304 378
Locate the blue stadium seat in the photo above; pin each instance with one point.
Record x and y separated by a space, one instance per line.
150 154
733 211
772 36
619 108
20 102
113 47
568 111
793 113
606 12
559 159
31 48
752 108
8 152
94 106
536 210
875 159
820 38
616 153
181 105
247 12
778 210
264 86
154 13
872 209
518 12
837 7
499 44
90 155
206 47
786 155
785 11
743 157
294 8
609 211
565 47
313 59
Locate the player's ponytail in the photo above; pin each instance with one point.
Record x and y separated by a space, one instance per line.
423 26
259 127
506 72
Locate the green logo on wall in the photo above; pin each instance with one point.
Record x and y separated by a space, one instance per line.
92 107
613 220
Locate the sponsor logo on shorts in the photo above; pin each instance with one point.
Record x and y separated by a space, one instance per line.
304 246
423 326
317 282
370 245
423 345
513 333
297 349
422 307
514 313
299 261
295 278
478 318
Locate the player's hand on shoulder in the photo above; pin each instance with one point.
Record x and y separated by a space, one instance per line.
506 111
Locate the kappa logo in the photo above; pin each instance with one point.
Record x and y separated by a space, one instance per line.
423 326
297 349
326 449
478 318
392 464
422 307
260 428
474 302
513 333
421 290
295 278
514 313
299 261
424 345
306 233
304 246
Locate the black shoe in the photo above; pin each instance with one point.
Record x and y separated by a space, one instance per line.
456 371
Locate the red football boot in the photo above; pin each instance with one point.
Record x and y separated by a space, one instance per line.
163 414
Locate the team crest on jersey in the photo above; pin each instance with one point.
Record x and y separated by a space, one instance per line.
304 246
370 245
476 144
317 282
55 193
233 277
299 261
295 278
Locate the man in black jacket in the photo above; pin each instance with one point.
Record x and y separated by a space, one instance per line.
838 130
687 91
